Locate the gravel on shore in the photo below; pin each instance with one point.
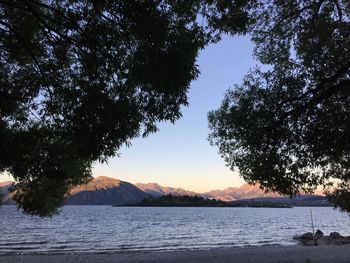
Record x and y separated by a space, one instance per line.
268 254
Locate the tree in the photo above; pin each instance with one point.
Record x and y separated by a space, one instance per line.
79 79
288 127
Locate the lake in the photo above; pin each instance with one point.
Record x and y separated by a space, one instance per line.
101 229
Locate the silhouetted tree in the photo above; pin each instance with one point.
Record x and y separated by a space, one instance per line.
79 79
288 128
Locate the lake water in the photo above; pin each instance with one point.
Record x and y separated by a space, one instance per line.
120 229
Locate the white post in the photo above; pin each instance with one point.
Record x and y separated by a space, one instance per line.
312 222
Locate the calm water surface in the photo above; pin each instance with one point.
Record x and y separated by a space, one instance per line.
118 229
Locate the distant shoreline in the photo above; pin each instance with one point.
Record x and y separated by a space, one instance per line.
245 206
184 206
267 254
170 200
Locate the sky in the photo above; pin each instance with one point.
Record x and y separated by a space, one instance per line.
179 155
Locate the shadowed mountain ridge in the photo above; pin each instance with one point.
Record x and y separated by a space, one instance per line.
4 191
105 191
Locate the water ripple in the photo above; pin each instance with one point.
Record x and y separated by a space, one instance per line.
103 229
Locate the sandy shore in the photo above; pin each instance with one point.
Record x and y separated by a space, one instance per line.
280 254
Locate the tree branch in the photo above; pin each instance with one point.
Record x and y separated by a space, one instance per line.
342 71
15 98
340 13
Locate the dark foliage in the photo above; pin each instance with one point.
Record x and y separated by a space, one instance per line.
287 128
79 79
183 201
198 201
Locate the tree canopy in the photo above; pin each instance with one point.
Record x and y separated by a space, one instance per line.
288 127
79 79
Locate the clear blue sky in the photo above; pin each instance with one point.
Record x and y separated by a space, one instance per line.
180 155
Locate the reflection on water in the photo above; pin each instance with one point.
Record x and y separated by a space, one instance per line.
117 229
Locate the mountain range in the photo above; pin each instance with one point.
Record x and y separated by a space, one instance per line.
246 191
157 190
109 191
